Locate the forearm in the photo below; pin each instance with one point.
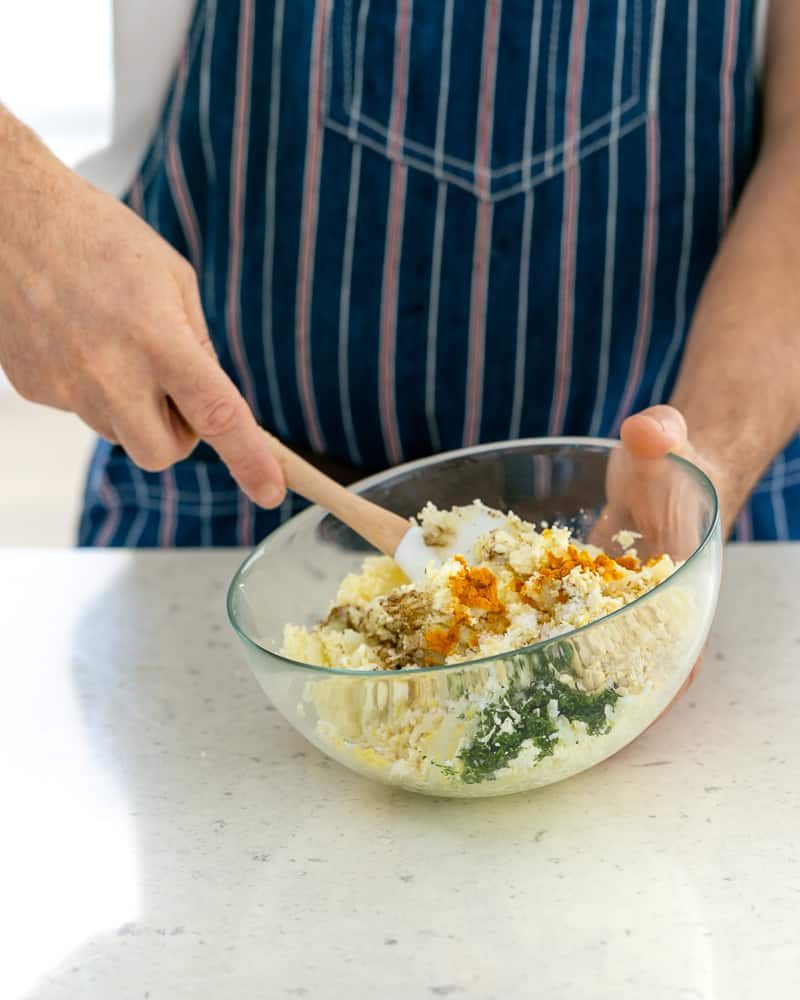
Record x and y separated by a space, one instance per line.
33 182
23 156
12 131
739 383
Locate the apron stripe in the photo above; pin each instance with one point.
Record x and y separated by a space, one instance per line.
205 94
641 341
649 251
175 172
477 321
604 354
491 33
788 479
388 329
286 509
681 300
209 159
778 499
244 62
133 539
566 307
744 525
483 226
270 212
358 86
247 533
308 230
206 505
438 230
110 497
394 238
349 246
237 197
520 353
136 532
520 350
353 450
433 318
555 31
137 529
169 510
726 124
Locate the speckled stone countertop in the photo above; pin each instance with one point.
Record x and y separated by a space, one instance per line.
167 835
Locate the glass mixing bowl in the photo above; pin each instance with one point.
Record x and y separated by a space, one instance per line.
519 720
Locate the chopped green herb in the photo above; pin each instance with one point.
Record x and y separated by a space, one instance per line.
522 713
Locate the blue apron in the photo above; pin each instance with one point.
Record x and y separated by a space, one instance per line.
421 224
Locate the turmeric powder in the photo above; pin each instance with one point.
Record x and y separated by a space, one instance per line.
476 587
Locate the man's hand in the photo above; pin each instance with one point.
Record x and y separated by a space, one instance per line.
649 495
652 496
100 316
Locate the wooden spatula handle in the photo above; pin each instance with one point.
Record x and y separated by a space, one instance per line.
380 527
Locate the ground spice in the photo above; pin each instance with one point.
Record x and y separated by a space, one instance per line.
477 608
445 640
476 588
560 566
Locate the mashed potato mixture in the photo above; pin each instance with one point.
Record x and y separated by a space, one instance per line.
525 717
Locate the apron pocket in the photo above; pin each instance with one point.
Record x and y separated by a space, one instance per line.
493 97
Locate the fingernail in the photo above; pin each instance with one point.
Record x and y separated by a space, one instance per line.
672 432
666 426
271 496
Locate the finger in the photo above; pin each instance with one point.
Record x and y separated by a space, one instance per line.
655 431
178 422
611 520
216 411
261 492
92 405
152 439
194 312
99 423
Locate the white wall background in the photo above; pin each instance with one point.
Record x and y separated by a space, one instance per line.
55 74
55 71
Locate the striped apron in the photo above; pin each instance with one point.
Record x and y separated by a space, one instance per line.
422 224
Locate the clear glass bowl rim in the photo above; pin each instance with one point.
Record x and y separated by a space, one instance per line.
522 443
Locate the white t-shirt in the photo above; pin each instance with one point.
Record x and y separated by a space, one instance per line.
148 35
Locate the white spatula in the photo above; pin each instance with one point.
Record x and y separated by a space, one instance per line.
391 534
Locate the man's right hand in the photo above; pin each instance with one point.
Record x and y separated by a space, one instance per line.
99 315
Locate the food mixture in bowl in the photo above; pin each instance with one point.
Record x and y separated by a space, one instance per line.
545 710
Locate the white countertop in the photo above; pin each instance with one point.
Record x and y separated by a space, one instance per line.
167 835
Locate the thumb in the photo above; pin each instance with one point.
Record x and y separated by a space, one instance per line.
653 432
211 405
